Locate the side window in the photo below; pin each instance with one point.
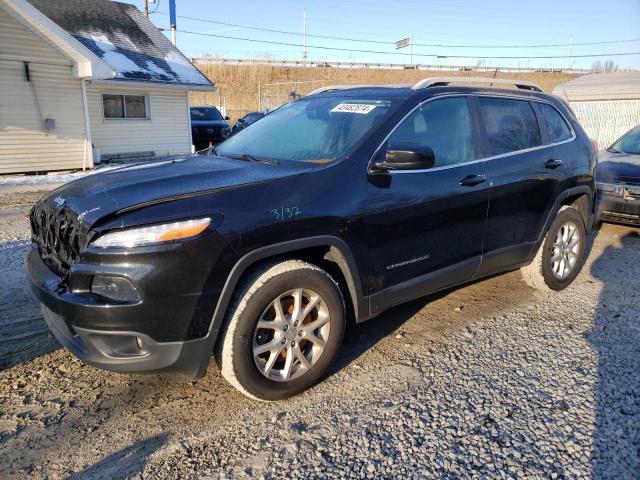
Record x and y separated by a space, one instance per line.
553 123
444 125
511 125
124 106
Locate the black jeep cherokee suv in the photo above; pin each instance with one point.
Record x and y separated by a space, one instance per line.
339 205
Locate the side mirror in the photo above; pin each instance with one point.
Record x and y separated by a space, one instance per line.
407 156
226 117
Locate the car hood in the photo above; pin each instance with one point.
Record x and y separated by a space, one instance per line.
98 195
209 123
618 167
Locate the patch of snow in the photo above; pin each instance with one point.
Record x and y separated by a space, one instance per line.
51 178
178 68
183 69
153 68
111 55
124 38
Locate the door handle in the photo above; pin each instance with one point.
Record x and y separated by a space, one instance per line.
472 180
553 163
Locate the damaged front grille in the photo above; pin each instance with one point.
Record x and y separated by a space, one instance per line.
58 236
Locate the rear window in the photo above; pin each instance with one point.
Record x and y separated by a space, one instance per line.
554 125
252 117
510 124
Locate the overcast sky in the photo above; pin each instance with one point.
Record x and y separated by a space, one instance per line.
441 22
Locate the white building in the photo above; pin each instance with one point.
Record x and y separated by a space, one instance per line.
81 78
606 104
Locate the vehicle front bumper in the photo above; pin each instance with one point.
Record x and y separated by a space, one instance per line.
154 335
120 351
619 208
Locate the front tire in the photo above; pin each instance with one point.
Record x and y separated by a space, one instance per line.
560 257
284 330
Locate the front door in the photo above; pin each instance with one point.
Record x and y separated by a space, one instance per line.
425 228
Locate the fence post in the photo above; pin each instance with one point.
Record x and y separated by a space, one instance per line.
259 97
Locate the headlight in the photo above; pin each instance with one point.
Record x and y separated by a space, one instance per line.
167 232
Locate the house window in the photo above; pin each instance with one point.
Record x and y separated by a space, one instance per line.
124 106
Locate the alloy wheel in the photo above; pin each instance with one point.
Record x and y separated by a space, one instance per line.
566 249
291 334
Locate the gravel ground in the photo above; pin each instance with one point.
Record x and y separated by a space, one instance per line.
493 380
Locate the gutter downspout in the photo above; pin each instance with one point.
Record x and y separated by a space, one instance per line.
193 147
87 142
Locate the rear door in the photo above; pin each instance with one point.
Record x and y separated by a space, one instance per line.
526 170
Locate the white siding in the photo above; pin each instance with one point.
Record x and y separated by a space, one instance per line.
607 120
52 93
19 43
166 132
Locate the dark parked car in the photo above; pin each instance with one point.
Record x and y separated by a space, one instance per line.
245 121
336 206
208 127
618 180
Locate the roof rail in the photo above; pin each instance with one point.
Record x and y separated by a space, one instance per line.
443 81
347 87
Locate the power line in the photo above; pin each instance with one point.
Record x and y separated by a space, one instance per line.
322 47
381 42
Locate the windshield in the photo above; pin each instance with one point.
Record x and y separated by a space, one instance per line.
310 129
629 143
208 113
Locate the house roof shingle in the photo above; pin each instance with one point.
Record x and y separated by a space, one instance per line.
124 38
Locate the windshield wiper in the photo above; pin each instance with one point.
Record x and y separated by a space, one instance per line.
613 150
250 158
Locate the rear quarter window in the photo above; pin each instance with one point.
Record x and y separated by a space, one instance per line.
510 125
552 122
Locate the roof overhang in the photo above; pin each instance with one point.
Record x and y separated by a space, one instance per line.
193 87
86 64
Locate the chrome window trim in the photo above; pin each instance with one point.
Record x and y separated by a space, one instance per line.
478 160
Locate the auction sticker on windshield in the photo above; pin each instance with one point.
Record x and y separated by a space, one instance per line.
361 108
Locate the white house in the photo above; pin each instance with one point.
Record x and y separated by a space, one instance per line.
606 104
81 78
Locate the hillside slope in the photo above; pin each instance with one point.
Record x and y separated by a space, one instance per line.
239 83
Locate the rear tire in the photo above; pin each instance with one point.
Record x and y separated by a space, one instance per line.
284 330
560 257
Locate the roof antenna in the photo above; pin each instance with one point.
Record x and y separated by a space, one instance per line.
494 76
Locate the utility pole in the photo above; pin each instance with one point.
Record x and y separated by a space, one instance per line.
570 51
411 51
304 29
172 20
146 8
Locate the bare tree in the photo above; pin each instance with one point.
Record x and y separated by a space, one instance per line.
607 66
